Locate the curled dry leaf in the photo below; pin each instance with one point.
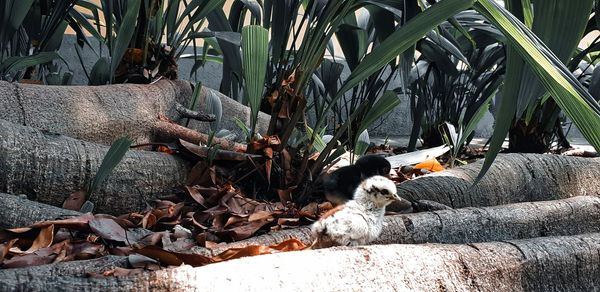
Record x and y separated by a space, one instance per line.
5 247
241 232
174 258
431 165
254 250
44 239
108 229
74 201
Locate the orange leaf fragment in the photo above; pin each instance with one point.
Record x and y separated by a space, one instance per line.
431 165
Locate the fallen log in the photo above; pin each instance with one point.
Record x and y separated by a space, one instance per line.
512 178
48 167
104 113
19 212
571 216
540 264
17 279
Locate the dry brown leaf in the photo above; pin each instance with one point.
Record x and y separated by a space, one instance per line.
108 229
5 247
234 220
74 201
44 239
260 215
241 232
149 220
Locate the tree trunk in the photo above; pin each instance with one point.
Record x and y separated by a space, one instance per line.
540 264
21 277
19 212
512 178
48 167
104 113
468 225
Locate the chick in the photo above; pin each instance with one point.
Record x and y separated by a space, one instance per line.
339 186
360 220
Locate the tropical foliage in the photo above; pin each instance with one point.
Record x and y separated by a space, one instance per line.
283 58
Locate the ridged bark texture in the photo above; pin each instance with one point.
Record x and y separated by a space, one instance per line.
49 167
540 264
104 113
512 178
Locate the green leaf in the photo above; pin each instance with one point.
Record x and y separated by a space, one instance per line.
401 40
100 74
214 106
318 144
112 158
20 63
474 121
560 26
12 16
362 143
242 126
555 77
255 49
124 35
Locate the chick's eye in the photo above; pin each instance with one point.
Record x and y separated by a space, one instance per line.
384 191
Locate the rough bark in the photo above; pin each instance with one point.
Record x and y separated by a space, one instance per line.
170 131
19 279
515 221
103 113
48 167
540 264
512 178
19 212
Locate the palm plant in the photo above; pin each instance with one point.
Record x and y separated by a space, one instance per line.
134 32
561 26
31 33
457 73
298 86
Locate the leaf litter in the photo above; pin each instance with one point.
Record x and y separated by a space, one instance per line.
210 211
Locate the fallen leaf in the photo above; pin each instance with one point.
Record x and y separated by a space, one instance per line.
242 231
5 247
74 201
268 151
108 229
431 165
174 258
42 256
141 261
254 250
44 239
260 215
234 220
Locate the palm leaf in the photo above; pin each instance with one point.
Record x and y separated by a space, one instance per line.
400 41
124 35
112 158
255 49
556 78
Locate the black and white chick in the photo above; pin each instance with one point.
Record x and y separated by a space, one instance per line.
360 220
339 186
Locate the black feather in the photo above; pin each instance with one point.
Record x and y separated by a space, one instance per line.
339 186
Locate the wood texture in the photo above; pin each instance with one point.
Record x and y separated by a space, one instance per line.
49 167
